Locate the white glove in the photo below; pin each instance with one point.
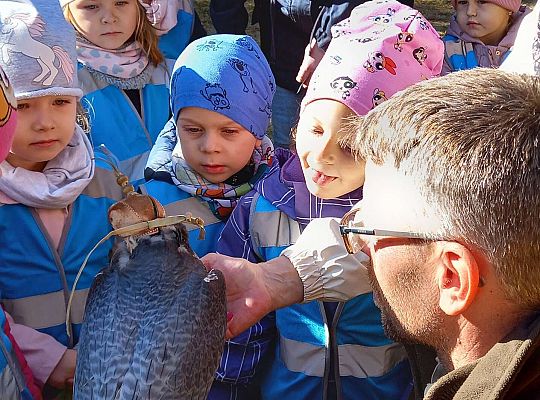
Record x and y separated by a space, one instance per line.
328 272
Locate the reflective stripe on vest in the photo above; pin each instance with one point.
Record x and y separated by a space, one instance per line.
354 360
285 231
263 214
103 184
46 310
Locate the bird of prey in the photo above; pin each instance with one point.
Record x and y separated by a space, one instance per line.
155 318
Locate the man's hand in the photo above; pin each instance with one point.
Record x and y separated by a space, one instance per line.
248 299
64 371
312 57
254 290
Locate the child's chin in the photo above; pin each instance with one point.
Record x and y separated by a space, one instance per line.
322 192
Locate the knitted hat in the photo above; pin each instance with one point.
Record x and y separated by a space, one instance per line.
38 49
510 5
381 49
8 115
227 74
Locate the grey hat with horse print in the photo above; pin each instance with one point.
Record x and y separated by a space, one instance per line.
37 49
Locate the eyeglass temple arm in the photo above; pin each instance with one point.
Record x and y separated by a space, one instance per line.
379 232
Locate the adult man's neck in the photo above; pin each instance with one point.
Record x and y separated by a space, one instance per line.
478 332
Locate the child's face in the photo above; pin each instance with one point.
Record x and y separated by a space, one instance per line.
106 23
45 126
330 171
482 20
213 145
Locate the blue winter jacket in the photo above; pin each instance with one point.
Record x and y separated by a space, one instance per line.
305 363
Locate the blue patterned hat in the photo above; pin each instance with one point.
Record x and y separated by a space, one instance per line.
227 74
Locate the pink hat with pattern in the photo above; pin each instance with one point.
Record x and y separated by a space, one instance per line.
381 49
510 5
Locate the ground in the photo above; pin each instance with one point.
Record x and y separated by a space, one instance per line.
438 12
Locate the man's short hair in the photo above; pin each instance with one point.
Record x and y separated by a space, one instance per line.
471 143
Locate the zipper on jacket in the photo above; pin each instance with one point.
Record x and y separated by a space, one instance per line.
326 353
331 353
139 117
57 254
335 348
272 36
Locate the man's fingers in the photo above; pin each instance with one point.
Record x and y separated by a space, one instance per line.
208 261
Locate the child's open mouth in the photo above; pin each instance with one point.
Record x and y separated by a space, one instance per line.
321 179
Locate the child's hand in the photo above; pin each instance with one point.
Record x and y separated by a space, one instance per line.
312 57
64 370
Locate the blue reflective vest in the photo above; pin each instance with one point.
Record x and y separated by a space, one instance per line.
36 277
115 122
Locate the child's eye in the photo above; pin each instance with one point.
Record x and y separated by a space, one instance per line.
22 106
122 3
191 129
463 2
89 6
229 131
316 131
61 102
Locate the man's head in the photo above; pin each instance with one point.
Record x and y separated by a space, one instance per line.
457 159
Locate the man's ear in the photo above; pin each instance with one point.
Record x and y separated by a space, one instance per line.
457 278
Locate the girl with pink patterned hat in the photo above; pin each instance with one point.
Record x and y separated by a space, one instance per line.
334 350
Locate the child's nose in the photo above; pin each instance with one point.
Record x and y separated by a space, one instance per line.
471 9
324 150
108 16
210 143
42 121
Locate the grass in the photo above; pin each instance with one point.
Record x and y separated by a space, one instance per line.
438 12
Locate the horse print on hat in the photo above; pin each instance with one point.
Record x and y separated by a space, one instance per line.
28 30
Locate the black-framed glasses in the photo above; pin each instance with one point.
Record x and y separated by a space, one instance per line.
351 231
